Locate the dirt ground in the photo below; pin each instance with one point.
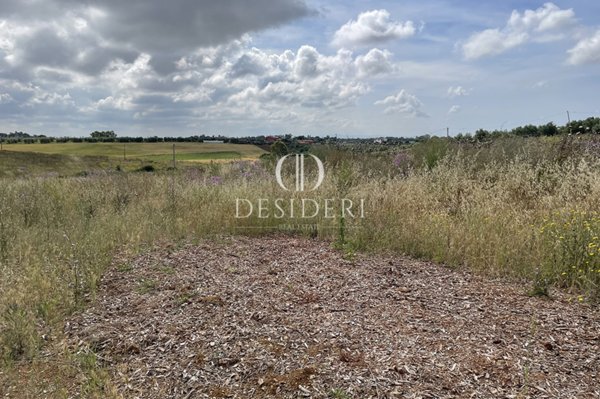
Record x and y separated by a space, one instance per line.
283 317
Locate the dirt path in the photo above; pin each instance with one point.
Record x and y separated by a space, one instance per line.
289 317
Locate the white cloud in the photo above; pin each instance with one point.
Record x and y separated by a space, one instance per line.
373 63
457 91
306 63
403 103
492 42
5 98
547 18
118 103
547 23
372 27
454 109
586 51
305 79
50 98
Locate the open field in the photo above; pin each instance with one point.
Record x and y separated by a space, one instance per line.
294 199
523 211
27 164
152 151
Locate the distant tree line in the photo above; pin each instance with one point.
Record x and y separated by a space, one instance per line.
104 134
590 125
299 143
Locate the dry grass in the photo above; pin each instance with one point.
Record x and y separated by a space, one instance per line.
498 217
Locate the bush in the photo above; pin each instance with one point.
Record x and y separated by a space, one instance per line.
146 168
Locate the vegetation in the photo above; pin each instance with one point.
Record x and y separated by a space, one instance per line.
27 164
104 134
297 143
150 151
523 208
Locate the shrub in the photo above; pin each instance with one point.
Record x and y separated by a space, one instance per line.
146 168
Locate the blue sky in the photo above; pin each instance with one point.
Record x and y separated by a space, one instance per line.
363 68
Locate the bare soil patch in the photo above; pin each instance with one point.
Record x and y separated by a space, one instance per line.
290 317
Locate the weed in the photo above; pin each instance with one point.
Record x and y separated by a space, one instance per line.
146 285
166 269
19 337
125 268
338 393
185 297
541 285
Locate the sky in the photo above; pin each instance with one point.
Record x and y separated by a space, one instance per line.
346 68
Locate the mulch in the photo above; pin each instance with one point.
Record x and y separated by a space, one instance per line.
286 317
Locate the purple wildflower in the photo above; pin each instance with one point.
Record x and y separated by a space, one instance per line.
216 180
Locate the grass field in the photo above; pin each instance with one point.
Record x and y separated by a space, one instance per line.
28 164
198 156
152 151
521 209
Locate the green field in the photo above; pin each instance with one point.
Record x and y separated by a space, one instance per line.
151 151
197 156
69 159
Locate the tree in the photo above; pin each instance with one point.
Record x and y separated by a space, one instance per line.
526 131
105 134
548 129
279 148
481 134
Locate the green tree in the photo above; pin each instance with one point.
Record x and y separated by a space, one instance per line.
481 134
279 148
548 129
105 134
526 131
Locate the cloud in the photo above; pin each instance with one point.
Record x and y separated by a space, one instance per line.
547 23
586 51
457 91
304 79
370 28
5 98
402 103
454 109
156 26
375 62
306 63
228 82
115 103
87 36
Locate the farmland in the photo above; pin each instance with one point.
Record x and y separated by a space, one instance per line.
69 159
152 151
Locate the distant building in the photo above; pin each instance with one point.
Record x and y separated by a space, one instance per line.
214 141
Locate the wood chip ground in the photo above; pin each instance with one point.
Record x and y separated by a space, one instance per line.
283 317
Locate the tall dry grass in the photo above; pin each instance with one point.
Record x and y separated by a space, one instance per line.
492 210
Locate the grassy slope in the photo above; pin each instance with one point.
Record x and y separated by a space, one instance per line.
197 156
27 164
140 150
